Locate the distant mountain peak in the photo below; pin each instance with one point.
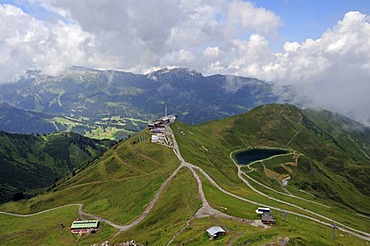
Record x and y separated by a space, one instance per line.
82 69
183 71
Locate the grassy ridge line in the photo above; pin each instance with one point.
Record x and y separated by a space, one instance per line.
177 203
214 174
126 227
298 214
225 136
121 198
349 229
202 143
331 122
152 202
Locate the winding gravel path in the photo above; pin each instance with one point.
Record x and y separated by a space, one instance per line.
348 229
206 209
42 212
269 188
358 233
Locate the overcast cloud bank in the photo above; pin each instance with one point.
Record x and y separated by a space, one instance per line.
210 36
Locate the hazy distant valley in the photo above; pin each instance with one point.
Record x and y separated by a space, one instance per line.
112 104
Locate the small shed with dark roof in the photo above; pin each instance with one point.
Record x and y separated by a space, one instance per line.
267 218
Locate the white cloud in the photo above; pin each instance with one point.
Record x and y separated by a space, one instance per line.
186 55
331 72
143 34
28 43
128 35
256 19
211 36
240 57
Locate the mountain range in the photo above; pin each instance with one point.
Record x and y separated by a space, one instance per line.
114 104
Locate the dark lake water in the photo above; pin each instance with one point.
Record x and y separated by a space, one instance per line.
252 155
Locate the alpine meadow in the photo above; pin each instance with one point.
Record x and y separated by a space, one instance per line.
187 123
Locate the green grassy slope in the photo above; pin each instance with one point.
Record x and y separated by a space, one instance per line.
177 204
31 162
118 185
281 126
297 229
353 138
51 228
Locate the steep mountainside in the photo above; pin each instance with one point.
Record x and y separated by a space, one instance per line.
353 138
121 184
20 121
31 162
350 135
126 101
326 167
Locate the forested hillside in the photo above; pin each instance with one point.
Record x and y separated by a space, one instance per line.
30 163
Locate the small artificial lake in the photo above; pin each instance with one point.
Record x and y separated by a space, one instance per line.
249 156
